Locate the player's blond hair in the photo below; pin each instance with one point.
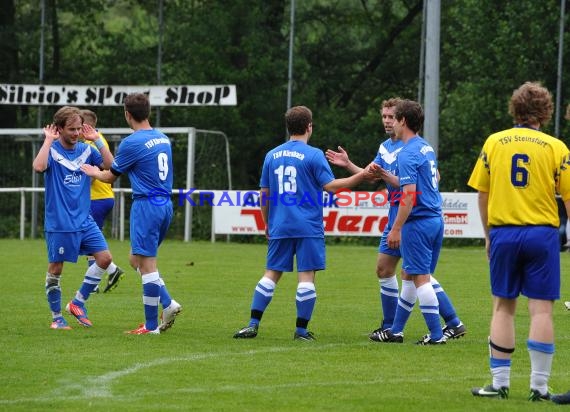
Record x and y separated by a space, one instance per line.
62 116
89 117
391 102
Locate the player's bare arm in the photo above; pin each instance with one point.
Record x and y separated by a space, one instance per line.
483 202
380 173
103 175
40 163
341 159
389 178
349 182
406 205
91 134
264 206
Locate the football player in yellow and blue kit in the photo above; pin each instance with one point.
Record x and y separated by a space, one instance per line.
102 202
517 175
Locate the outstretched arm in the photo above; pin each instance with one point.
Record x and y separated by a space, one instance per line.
105 176
349 182
381 173
341 159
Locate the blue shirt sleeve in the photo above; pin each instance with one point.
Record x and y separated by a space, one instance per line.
125 158
407 168
323 172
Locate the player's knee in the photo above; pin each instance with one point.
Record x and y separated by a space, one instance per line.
103 260
134 262
384 272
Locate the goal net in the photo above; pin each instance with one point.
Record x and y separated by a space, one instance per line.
201 160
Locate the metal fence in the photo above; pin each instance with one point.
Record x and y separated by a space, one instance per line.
201 158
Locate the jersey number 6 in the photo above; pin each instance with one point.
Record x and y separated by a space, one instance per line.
519 174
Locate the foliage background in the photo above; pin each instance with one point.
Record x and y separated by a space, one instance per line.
349 55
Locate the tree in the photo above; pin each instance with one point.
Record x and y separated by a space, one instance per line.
8 55
348 57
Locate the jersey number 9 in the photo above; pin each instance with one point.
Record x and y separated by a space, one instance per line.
162 166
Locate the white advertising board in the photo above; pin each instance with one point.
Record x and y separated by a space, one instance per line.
111 95
352 214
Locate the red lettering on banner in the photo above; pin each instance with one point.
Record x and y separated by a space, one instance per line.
343 198
330 221
349 223
455 218
383 223
352 223
256 213
383 194
368 223
333 222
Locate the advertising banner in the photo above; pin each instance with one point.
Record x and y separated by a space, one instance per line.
64 95
346 214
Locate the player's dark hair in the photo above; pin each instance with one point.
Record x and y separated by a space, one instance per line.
298 119
412 112
63 115
138 105
531 103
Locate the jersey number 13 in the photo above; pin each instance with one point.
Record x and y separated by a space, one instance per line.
287 179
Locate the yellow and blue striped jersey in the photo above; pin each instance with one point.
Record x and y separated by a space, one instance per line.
522 169
100 190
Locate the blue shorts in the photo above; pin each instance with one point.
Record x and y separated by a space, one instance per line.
421 244
525 260
68 246
383 247
310 252
100 209
148 226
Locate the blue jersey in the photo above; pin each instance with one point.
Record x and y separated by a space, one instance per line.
67 188
146 156
295 174
387 158
417 165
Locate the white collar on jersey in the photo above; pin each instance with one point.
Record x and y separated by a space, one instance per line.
74 164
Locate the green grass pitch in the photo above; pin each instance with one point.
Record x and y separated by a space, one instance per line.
197 365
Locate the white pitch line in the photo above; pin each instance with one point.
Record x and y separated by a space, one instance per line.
100 386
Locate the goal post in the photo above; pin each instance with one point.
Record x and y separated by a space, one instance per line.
204 154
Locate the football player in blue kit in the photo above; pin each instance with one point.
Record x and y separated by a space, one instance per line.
70 231
146 157
417 230
388 258
293 178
